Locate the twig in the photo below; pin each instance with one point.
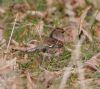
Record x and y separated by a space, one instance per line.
80 65
11 35
78 51
75 58
66 75
12 31
81 75
83 17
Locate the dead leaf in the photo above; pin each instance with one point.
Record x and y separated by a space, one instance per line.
20 10
8 65
24 47
97 32
93 63
98 17
33 43
30 83
48 77
2 10
14 43
97 81
16 82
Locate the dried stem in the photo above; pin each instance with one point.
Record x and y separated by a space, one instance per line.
11 36
12 31
79 65
75 58
66 75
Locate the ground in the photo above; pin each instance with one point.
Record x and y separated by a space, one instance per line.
40 39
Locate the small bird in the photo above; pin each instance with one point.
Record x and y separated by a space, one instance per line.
56 38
